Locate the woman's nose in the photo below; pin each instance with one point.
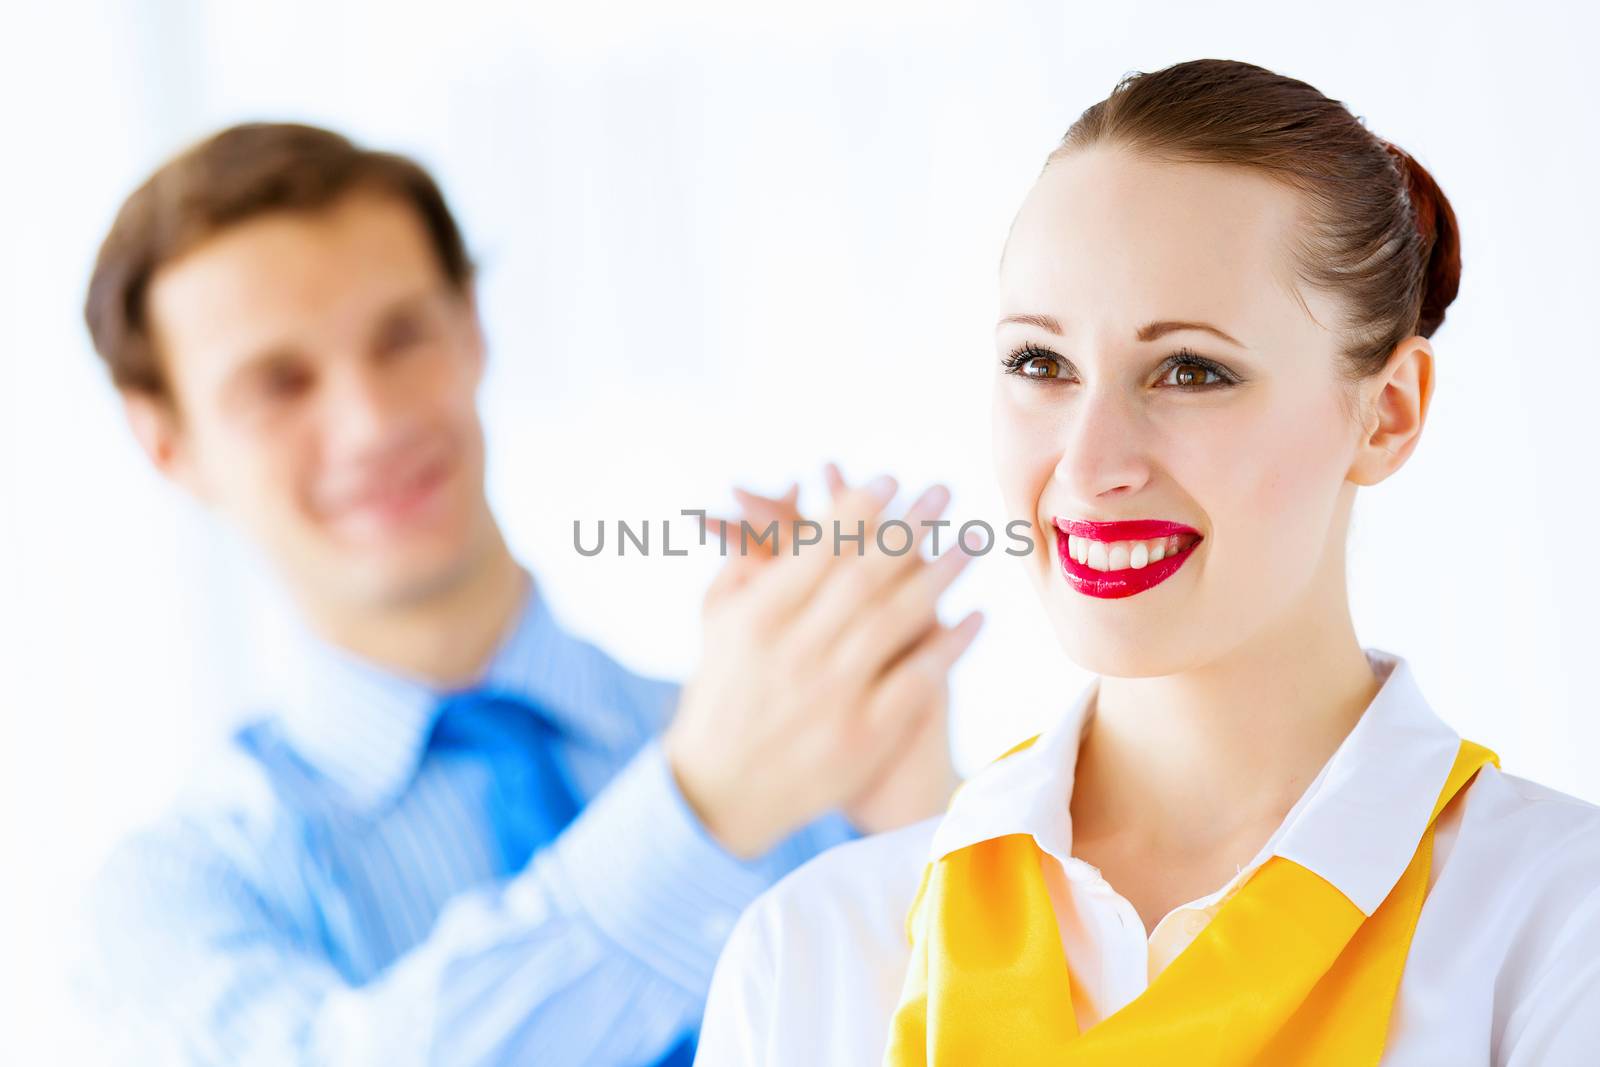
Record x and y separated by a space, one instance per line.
1103 446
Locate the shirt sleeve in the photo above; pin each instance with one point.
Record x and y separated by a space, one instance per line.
1556 1020
600 952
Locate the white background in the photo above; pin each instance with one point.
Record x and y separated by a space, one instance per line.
720 247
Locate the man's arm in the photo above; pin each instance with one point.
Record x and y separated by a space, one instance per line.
824 667
601 951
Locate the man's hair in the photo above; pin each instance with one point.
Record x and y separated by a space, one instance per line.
237 174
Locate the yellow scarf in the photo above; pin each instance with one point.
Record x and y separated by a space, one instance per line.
1288 971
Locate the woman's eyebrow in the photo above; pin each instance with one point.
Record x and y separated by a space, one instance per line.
1150 331
1044 322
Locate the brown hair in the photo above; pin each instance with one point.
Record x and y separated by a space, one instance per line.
1379 231
237 174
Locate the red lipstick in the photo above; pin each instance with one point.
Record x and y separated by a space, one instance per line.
1128 580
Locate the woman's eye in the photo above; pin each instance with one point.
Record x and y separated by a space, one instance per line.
1192 375
1039 367
1184 371
1031 361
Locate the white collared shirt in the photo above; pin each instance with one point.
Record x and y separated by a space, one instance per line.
1503 970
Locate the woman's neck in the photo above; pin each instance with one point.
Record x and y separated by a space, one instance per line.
1181 762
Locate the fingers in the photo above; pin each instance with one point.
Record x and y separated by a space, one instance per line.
868 609
727 533
770 520
757 510
878 635
738 566
914 683
751 540
785 589
917 778
835 479
744 553
863 571
760 508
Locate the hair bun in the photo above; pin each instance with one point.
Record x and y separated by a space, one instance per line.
1441 240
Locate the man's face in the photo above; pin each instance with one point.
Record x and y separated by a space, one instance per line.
323 377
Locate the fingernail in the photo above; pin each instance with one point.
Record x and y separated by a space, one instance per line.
881 489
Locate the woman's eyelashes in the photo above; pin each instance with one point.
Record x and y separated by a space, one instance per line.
1034 361
1030 360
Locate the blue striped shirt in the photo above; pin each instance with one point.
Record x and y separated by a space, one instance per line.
327 894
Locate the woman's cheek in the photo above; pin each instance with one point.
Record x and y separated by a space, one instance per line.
1025 457
1277 500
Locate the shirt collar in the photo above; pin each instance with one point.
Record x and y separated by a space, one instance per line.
1357 825
365 727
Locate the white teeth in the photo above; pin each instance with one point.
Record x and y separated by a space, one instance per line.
1122 555
1097 556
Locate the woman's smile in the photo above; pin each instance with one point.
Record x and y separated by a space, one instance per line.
1118 559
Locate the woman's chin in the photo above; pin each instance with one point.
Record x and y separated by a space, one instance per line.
1134 653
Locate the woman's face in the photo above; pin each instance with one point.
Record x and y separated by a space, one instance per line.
1114 402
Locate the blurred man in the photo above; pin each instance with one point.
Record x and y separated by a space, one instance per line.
466 835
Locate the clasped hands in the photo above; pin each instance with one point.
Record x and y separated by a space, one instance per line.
824 675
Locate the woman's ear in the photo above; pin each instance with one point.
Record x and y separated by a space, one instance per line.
1394 407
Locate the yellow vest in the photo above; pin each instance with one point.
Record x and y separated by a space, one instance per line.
1289 971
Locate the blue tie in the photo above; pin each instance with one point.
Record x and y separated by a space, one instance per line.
531 801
